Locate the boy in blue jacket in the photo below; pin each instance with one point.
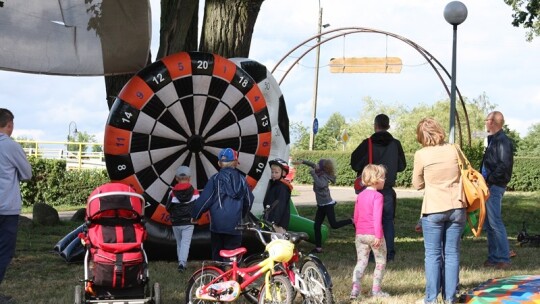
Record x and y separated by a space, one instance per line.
229 199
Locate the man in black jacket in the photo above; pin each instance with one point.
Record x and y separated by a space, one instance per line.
497 167
387 151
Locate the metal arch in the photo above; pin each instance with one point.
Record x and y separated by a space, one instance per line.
353 30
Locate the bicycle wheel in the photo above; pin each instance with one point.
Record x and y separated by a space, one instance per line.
319 287
200 278
281 291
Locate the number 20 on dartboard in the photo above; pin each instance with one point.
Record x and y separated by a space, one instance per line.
202 65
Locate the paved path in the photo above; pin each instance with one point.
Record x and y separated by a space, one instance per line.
305 196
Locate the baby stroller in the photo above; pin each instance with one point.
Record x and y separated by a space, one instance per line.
115 263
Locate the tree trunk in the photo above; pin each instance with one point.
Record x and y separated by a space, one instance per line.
113 85
228 27
179 26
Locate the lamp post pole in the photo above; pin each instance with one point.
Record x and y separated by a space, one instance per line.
316 85
455 13
74 124
69 129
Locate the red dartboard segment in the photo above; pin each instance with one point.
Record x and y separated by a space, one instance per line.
179 65
266 143
182 110
136 92
117 141
224 68
256 99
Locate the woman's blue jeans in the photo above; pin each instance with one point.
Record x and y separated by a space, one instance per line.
442 242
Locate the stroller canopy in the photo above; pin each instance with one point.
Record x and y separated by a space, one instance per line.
114 197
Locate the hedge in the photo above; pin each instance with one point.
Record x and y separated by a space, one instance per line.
525 175
53 184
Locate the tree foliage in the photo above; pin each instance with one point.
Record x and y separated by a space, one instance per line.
299 136
25 144
530 144
80 137
403 124
327 139
526 14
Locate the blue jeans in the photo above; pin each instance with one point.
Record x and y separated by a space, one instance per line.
8 239
498 248
183 235
389 212
442 242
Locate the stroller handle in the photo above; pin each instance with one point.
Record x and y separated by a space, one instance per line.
116 193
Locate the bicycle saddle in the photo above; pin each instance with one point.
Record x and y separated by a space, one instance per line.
232 252
297 237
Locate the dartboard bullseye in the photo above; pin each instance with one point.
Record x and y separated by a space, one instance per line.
182 110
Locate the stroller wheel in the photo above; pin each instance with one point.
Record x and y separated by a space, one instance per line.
78 294
157 293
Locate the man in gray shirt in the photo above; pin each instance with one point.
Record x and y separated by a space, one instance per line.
14 167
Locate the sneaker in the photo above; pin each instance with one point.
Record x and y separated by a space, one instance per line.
379 294
5 299
181 268
502 265
316 250
355 292
489 263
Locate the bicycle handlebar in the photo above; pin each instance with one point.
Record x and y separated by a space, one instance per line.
293 237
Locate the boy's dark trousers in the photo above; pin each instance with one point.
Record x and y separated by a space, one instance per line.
223 241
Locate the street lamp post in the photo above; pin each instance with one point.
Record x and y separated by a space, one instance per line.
320 26
455 13
72 123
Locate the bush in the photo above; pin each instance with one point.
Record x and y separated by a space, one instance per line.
53 185
525 175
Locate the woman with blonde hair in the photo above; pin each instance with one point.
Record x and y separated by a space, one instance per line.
436 171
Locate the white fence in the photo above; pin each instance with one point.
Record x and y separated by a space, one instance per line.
75 160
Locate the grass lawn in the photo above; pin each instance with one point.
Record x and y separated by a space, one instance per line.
36 275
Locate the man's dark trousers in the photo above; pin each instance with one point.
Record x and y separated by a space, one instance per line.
8 239
389 209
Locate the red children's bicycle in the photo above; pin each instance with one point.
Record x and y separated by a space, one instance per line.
227 281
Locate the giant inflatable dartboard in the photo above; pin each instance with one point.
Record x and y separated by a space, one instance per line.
182 110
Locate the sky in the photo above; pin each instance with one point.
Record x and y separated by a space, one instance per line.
493 57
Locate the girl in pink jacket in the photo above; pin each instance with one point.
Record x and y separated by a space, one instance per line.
369 231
